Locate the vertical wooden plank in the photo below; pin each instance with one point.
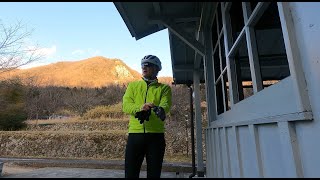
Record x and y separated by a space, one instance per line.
290 150
226 156
238 159
207 149
214 154
239 152
228 153
210 152
255 138
218 153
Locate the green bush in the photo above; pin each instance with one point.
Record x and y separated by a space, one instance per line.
111 111
12 106
13 118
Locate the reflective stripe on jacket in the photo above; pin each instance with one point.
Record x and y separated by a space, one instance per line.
138 93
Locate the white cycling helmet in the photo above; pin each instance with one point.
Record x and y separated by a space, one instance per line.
152 59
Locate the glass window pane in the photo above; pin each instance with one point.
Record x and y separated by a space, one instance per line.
223 54
214 31
253 5
243 73
219 17
271 49
220 107
226 90
216 60
236 18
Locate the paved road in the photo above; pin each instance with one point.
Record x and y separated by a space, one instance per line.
58 172
64 168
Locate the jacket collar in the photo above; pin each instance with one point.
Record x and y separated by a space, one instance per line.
150 82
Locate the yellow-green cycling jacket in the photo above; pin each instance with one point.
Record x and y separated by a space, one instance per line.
136 95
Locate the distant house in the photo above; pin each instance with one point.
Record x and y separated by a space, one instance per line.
260 62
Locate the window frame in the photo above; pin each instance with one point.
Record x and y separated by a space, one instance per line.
299 108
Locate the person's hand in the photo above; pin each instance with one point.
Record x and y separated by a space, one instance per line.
160 112
143 115
147 106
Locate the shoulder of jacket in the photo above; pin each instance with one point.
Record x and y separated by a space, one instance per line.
162 85
136 83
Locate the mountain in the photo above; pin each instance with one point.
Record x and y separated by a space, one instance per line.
92 72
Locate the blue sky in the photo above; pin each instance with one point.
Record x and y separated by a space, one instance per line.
72 31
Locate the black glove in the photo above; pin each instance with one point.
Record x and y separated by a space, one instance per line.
143 115
159 112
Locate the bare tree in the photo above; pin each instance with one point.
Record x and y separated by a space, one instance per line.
13 50
80 100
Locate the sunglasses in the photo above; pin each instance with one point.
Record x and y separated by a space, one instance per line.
147 65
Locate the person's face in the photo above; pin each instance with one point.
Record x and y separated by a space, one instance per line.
149 70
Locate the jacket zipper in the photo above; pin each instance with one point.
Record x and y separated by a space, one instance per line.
145 100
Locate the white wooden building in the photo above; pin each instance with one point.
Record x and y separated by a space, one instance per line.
260 63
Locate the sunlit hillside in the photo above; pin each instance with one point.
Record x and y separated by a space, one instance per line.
92 72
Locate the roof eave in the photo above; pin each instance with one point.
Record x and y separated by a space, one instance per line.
125 18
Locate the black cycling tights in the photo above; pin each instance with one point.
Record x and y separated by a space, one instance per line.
151 145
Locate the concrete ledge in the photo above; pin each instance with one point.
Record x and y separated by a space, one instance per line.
89 163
